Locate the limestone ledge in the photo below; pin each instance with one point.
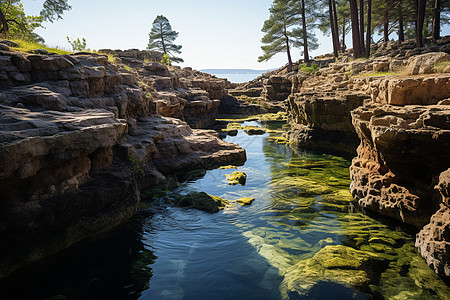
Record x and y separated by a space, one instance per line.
394 173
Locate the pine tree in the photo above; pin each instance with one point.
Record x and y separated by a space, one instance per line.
161 38
286 28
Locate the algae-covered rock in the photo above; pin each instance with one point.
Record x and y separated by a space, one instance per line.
334 263
233 126
228 167
254 130
160 190
236 177
245 201
201 201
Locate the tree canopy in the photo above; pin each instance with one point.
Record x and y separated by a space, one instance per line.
283 31
162 37
15 23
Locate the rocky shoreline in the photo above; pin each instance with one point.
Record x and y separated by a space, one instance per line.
80 136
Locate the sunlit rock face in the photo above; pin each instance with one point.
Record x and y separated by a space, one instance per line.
78 138
403 151
185 94
433 241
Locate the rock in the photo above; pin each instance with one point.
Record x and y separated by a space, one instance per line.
411 90
434 238
236 178
78 140
201 201
38 51
393 172
9 43
254 130
245 201
424 64
4 47
335 263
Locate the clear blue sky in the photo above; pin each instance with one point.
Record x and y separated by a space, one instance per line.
213 33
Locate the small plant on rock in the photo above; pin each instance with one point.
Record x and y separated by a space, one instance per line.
78 45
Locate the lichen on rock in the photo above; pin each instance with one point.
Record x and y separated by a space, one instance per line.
236 177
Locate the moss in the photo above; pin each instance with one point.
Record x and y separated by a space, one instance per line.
236 177
279 139
201 201
228 167
440 66
161 190
245 201
233 126
254 130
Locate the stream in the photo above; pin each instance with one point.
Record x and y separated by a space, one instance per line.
300 239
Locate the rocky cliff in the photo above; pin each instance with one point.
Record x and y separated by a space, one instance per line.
185 94
396 106
79 138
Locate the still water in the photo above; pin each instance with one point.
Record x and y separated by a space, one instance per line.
299 239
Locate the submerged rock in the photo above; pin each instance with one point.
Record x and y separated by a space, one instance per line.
236 178
254 130
245 201
201 201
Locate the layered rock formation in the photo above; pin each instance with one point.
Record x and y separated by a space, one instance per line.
78 138
185 94
403 151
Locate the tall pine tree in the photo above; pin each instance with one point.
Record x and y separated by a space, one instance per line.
162 37
287 28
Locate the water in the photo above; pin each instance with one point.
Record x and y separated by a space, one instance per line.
298 240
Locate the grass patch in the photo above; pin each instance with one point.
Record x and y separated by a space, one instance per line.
308 69
25 46
440 66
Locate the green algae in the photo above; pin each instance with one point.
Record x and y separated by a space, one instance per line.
201 201
280 116
228 167
245 201
233 126
236 178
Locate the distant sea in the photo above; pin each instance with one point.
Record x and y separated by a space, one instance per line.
236 75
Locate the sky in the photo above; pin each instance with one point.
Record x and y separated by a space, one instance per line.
214 33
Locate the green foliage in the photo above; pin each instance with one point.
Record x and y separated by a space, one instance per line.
78 45
166 60
53 10
136 166
162 37
309 69
282 29
16 24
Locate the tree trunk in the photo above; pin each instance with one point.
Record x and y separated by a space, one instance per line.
355 29
4 23
421 4
336 27
386 26
333 29
361 24
401 32
288 49
437 19
369 27
344 47
305 36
